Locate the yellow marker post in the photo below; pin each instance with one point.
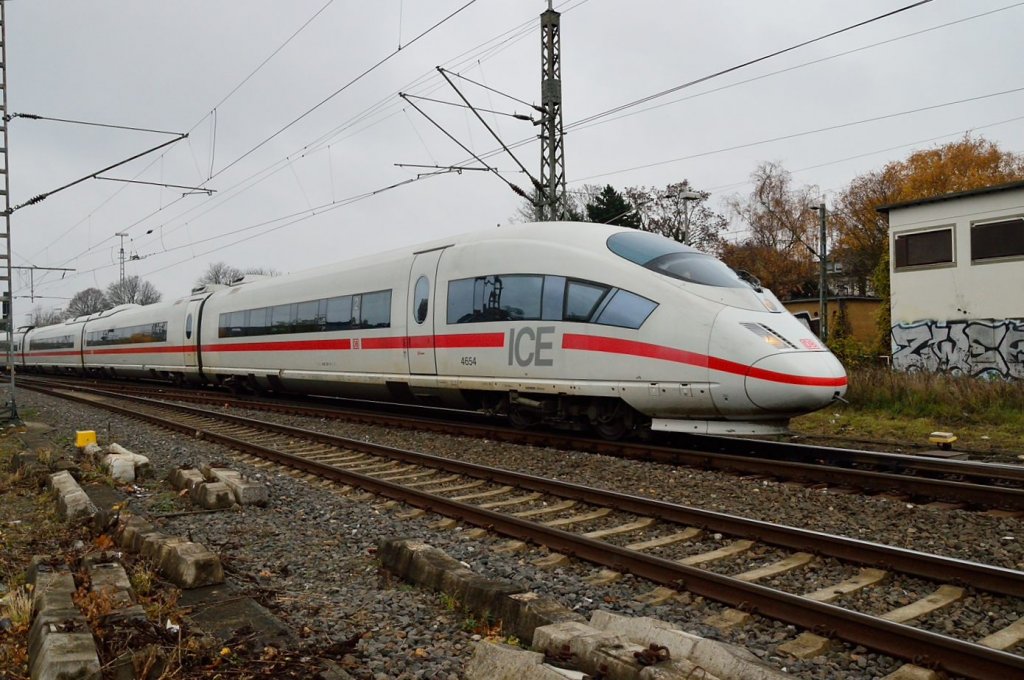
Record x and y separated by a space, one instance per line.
85 437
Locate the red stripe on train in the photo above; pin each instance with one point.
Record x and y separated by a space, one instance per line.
593 343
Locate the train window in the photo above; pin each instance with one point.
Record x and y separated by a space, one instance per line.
150 332
421 299
339 313
674 259
581 299
376 310
188 327
553 298
460 301
626 309
306 320
517 297
58 342
281 319
257 321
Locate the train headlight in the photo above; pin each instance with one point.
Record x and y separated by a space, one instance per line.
769 336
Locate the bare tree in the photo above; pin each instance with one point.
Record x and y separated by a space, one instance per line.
219 272
47 318
88 301
680 213
132 290
223 273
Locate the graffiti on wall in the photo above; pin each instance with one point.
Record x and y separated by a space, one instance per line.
986 348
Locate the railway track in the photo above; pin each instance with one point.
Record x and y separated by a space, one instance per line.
603 527
958 483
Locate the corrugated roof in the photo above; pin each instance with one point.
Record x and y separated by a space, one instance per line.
956 194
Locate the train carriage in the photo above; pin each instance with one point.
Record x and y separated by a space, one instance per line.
56 348
571 324
133 341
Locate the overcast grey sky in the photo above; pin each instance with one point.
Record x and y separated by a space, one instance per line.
287 204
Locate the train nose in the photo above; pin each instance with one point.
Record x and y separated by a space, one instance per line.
795 381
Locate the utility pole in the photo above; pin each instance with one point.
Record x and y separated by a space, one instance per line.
122 235
552 150
822 277
11 412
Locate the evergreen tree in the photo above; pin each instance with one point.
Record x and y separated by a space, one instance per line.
611 207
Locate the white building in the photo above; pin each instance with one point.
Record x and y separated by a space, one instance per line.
957 265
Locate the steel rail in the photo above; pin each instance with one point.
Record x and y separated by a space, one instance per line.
941 489
955 656
731 453
945 569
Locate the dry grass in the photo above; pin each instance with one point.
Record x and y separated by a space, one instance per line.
906 407
17 606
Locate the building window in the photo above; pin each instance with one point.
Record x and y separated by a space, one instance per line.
923 248
997 239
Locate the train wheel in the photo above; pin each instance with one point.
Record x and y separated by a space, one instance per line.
522 418
614 423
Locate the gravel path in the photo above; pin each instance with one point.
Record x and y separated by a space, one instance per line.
310 553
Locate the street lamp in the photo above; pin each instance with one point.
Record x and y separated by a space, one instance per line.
822 281
686 197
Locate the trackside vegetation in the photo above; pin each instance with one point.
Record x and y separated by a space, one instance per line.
894 405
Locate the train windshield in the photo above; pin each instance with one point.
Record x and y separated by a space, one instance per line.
674 259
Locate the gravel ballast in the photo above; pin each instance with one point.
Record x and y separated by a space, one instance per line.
309 555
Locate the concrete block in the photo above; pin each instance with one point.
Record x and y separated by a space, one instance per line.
246 491
729 661
680 644
72 501
121 468
190 565
52 589
141 463
135 528
523 613
111 579
717 658
66 620
185 478
66 655
94 451
212 496
492 661
153 542
592 648
519 612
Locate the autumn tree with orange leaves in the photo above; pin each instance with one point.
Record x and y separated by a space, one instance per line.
863 233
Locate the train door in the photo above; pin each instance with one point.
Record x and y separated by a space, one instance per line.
190 338
420 313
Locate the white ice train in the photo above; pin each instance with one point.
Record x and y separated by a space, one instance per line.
567 324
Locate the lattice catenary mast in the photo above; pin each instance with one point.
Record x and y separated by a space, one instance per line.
550 206
5 237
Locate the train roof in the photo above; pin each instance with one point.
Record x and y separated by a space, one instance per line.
575 234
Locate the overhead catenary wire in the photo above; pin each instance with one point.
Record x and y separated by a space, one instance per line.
254 184
489 47
804 133
749 62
